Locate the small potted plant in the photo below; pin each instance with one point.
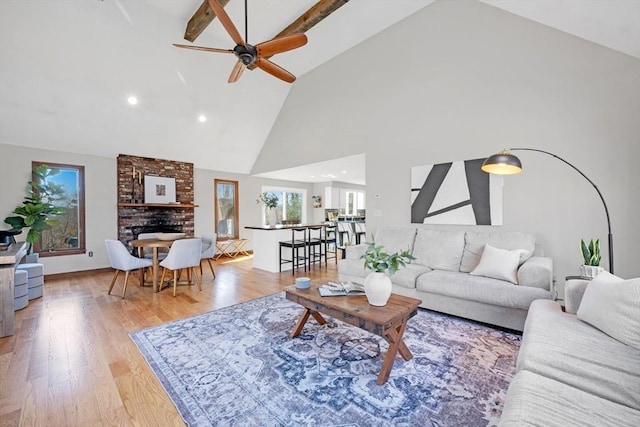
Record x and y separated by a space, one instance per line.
377 285
591 256
269 201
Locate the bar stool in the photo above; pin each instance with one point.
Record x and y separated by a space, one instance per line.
344 228
298 241
314 241
329 240
361 231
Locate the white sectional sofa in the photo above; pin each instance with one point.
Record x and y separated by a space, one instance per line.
570 372
448 275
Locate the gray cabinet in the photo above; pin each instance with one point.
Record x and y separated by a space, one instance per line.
9 259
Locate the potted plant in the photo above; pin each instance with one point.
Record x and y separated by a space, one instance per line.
591 256
269 201
377 285
38 211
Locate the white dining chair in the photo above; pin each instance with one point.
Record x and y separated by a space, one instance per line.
183 254
208 250
122 260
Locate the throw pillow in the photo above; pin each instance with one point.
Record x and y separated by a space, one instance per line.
395 239
511 240
439 249
612 305
499 264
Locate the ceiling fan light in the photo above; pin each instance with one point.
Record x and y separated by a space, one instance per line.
503 163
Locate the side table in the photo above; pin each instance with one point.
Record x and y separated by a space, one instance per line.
231 248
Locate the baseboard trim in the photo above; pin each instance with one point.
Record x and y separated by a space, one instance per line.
105 270
77 273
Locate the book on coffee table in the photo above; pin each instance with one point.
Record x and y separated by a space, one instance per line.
336 289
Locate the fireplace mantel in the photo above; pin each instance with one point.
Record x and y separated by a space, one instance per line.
156 205
135 216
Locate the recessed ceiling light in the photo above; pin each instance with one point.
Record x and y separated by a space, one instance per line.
343 171
202 118
132 100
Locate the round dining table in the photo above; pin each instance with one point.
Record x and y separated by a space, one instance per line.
154 244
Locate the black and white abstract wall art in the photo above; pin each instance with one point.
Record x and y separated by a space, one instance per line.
455 193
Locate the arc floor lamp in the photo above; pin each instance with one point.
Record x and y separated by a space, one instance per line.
505 163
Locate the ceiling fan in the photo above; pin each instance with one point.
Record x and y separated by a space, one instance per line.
249 54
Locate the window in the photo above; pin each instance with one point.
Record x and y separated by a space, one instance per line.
64 186
292 204
226 209
351 203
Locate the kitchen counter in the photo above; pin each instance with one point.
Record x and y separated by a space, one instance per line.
266 245
280 227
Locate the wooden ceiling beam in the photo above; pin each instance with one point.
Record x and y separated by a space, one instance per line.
309 19
200 20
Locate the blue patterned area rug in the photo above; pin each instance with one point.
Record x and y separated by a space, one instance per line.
238 366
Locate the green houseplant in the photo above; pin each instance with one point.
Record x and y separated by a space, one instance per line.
591 252
377 285
377 260
591 256
269 201
38 211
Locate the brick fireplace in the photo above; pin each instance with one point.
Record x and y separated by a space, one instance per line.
135 216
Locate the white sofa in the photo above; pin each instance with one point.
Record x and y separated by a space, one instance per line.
442 275
570 372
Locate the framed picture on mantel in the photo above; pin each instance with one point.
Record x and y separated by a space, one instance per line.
159 190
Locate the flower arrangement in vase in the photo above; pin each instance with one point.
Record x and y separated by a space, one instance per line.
591 256
377 285
270 202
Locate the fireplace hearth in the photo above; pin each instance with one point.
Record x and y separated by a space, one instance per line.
158 228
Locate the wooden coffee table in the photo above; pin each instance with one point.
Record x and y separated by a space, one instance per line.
388 322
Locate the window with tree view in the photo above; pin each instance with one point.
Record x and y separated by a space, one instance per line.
61 186
291 205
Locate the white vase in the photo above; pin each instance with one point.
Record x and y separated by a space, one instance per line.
377 288
272 216
590 271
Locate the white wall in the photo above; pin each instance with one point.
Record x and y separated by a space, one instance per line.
249 188
101 200
462 80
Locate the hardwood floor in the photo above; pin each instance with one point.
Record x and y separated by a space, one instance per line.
71 361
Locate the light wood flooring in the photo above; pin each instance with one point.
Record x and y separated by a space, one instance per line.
71 361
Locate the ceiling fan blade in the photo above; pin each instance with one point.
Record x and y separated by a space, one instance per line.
206 49
226 22
236 72
275 70
281 44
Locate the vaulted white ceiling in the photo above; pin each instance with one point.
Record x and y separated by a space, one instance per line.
67 68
